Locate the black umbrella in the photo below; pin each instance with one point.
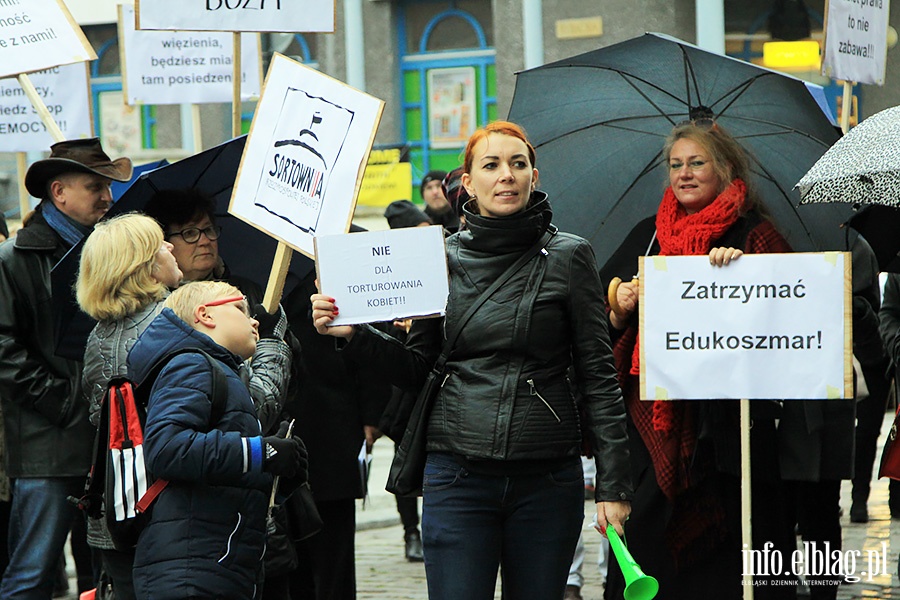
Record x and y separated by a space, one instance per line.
247 251
599 121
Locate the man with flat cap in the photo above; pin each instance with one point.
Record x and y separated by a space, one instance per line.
48 436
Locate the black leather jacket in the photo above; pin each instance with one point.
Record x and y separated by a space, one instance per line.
506 396
46 416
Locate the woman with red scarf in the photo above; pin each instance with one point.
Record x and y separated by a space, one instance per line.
685 525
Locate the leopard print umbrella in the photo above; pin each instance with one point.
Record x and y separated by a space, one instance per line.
863 167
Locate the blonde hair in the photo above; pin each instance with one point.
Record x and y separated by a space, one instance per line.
188 297
115 276
729 159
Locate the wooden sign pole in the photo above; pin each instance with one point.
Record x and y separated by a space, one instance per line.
283 253
236 75
41 108
196 131
52 127
746 526
846 106
24 196
275 286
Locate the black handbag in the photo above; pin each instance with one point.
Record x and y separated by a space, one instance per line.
304 514
408 466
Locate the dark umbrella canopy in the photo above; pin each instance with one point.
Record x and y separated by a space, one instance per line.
599 122
119 187
247 251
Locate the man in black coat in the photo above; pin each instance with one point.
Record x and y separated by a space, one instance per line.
335 401
48 436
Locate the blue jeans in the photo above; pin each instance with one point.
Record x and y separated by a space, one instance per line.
39 523
473 523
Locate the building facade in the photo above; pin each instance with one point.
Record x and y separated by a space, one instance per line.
443 67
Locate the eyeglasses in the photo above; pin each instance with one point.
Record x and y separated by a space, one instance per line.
191 235
245 308
707 123
693 165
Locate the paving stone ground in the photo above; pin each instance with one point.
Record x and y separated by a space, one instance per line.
384 574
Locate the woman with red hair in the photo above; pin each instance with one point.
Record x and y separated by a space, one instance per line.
503 485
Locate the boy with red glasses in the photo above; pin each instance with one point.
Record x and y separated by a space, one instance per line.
207 530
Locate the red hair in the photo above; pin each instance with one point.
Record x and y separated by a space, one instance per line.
502 127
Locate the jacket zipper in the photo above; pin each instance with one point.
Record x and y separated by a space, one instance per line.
228 546
534 392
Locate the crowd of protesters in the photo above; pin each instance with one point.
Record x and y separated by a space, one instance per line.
536 364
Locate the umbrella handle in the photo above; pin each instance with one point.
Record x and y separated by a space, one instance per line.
611 296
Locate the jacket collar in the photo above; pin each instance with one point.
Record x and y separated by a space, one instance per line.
514 233
38 235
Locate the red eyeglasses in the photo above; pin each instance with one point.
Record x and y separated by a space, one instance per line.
227 300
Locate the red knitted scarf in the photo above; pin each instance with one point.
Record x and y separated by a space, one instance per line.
666 426
679 233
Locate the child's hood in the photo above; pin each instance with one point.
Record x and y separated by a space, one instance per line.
166 334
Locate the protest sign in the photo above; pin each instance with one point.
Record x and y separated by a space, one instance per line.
289 16
384 275
388 176
305 154
65 92
856 40
37 35
178 67
765 326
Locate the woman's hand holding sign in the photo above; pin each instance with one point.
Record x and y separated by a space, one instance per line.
719 257
323 312
623 299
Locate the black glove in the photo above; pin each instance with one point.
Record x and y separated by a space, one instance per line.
270 326
283 456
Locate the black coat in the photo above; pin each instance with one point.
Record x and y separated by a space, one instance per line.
506 395
817 437
331 403
46 416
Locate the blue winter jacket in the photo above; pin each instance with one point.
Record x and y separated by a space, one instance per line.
207 530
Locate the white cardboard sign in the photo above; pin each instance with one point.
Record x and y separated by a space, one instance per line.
856 40
37 35
289 16
383 275
179 67
305 155
66 94
765 326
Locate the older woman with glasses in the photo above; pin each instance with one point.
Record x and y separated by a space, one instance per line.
187 217
685 528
